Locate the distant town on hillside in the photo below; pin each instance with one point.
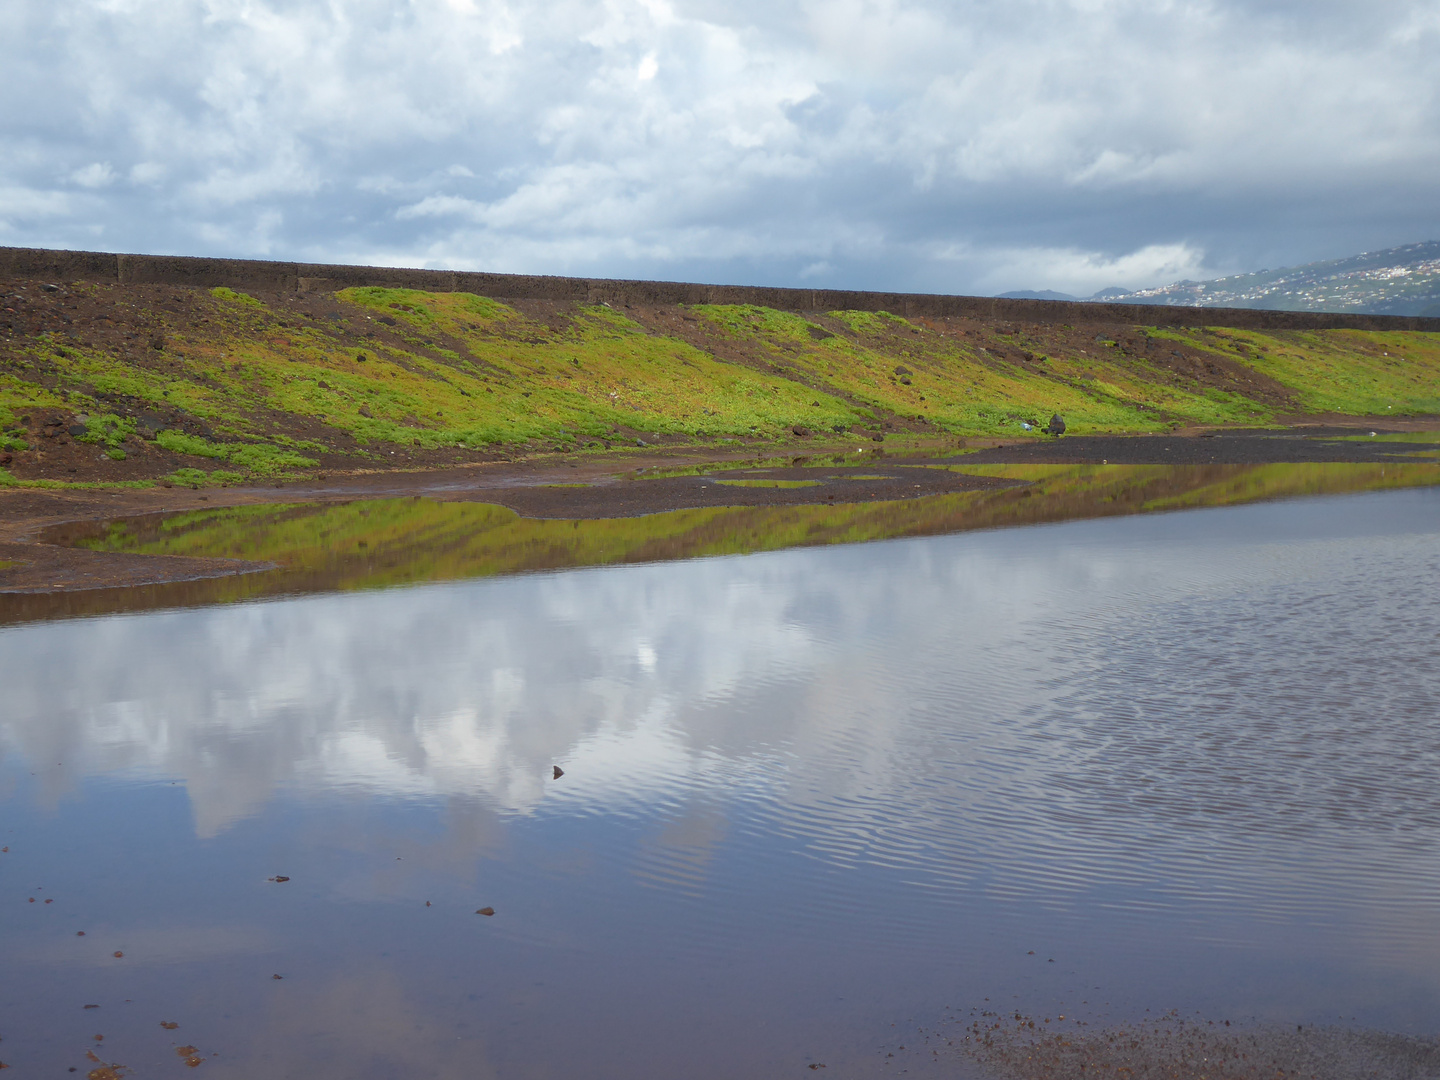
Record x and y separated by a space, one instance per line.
1398 281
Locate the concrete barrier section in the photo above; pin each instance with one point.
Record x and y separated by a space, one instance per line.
285 277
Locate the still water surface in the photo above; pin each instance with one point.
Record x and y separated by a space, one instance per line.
1179 761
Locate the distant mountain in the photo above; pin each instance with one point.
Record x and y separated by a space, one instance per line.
1043 294
1399 281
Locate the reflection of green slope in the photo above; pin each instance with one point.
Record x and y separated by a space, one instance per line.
399 541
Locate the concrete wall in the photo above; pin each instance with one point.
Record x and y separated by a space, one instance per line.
254 275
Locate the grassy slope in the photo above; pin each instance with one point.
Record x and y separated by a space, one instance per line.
241 388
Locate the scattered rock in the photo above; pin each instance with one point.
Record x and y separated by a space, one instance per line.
365 412
76 430
1057 425
50 288
902 370
800 430
877 437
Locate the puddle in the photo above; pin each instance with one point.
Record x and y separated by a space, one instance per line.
742 816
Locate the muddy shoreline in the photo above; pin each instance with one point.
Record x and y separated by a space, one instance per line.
35 556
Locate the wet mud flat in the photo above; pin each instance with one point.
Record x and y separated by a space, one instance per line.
1350 440
1016 1046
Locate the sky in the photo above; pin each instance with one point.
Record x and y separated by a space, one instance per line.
954 146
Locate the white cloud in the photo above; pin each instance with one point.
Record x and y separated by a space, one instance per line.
865 135
1084 272
96 175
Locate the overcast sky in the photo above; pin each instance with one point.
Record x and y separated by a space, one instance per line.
961 146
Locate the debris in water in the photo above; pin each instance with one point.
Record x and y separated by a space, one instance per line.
277 976
279 877
559 772
119 955
485 911
169 1025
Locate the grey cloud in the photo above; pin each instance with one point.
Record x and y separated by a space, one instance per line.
873 144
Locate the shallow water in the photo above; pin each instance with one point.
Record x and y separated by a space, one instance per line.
1187 760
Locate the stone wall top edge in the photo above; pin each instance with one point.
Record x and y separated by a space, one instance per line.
34 263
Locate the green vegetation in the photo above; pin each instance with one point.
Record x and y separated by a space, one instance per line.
257 458
171 379
222 293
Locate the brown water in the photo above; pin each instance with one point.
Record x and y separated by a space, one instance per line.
1179 761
